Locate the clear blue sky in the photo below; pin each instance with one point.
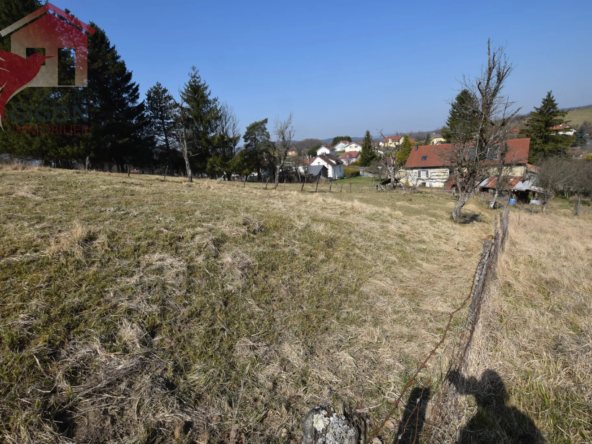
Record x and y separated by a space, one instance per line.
342 66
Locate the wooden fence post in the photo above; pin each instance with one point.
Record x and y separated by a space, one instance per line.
245 182
266 183
284 184
350 187
330 183
166 170
303 183
319 178
341 190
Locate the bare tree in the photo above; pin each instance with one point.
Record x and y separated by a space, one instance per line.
468 160
506 161
389 160
551 178
180 119
284 132
579 181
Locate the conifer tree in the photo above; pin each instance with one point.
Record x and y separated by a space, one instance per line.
544 141
204 113
338 139
463 120
159 125
368 154
115 113
581 139
404 152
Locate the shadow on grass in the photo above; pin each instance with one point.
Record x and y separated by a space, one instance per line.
469 218
494 421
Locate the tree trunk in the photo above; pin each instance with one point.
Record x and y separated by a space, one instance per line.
277 178
544 207
463 197
492 205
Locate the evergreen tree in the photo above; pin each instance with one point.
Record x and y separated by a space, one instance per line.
581 139
338 139
404 152
312 152
160 126
254 156
427 139
368 154
463 121
544 141
116 118
204 112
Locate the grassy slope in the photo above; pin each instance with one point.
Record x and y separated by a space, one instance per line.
578 116
133 307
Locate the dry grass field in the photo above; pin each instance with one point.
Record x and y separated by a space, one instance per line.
578 116
140 310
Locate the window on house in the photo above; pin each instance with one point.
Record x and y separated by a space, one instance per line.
423 174
424 158
66 67
492 153
31 51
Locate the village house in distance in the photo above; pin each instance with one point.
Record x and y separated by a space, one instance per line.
429 165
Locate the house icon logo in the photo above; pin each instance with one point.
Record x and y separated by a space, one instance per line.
39 43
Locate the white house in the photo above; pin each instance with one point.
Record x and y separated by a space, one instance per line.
341 145
353 146
326 149
333 164
391 141
350 156
564 130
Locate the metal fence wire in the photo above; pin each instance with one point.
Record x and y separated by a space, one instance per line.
436 406
439 404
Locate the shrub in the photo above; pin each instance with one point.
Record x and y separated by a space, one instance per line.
351 172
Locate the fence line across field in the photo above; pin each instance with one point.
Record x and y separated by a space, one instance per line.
434 382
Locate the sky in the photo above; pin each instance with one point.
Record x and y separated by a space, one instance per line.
344 67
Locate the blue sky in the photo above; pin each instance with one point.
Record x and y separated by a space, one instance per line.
342 66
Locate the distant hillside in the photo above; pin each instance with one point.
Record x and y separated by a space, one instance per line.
578 116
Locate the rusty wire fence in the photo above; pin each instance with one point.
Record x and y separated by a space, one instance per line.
435 409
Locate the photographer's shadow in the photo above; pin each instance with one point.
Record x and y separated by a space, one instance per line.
495 421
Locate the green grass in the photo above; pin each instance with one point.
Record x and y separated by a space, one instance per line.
140 310
578 116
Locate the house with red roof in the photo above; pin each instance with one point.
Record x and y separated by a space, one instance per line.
564 129
391 141
350 157
430 165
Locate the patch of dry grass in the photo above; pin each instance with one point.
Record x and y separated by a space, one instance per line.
137 309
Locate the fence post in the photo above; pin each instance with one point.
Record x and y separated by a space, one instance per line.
318 178
266 183
166 170
284 184
303 182
341 190
245 182
350 187
330 183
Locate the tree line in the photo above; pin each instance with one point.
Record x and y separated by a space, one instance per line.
196 134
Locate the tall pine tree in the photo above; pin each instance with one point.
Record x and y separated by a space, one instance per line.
463 120
368 154
116 116
544 141
204 113
159 127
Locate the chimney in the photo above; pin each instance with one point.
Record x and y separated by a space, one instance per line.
416 147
